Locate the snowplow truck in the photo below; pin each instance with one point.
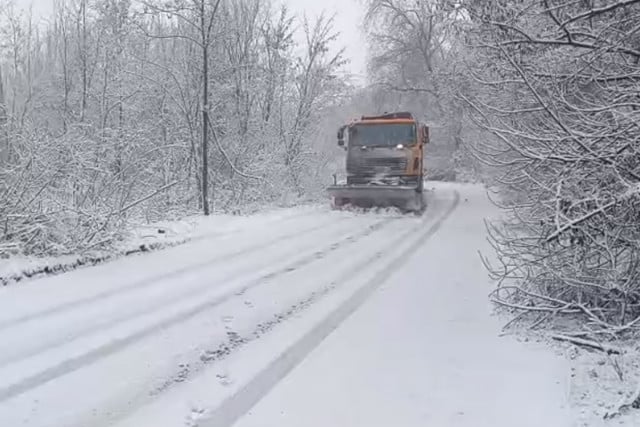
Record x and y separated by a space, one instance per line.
384 163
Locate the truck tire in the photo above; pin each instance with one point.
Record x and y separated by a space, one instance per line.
337 203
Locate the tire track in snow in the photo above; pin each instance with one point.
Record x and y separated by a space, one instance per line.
70 365
241 272
220 349
154 280
213 351
233 408
269 222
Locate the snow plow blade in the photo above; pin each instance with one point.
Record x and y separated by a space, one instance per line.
406 198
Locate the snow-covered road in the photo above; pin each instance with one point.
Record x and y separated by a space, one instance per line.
315 318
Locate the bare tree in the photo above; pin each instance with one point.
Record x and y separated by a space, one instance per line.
200 15
556 87
112 114
3 121
314 72
63 38
83 53
278 38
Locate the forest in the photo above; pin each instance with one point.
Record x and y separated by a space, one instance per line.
118 110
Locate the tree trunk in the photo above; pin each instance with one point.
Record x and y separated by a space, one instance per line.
205 114
83 60
4 140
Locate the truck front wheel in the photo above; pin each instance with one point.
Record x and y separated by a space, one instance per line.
337 203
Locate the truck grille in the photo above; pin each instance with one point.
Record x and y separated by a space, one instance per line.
380 165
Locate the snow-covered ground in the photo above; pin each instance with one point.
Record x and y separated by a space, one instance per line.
305 317
145 237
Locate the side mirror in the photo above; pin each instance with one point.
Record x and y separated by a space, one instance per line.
341 136
425 134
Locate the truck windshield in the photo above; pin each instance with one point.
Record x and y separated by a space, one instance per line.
382 134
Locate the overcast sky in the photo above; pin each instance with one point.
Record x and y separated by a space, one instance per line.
347 22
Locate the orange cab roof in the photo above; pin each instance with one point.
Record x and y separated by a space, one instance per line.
384 121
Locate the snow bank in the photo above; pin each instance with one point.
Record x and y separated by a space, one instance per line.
604 389
144 237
